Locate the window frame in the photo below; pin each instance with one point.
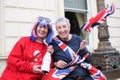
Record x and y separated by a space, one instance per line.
87 12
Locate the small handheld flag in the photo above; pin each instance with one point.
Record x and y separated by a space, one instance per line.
99 18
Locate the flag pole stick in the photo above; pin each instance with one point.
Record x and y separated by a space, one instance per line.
84 39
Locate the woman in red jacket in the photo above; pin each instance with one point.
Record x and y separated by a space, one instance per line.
25 59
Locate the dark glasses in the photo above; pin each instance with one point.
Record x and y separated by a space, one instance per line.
44 18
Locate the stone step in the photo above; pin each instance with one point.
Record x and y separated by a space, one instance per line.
113 74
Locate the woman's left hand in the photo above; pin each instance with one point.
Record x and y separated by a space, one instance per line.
60 64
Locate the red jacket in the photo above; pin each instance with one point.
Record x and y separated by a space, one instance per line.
21 60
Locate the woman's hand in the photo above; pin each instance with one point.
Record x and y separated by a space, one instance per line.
83 44
60 64
50 49
36 69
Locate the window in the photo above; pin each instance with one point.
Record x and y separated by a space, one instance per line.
76 12
75 5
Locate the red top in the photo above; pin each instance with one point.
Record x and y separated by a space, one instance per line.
23 56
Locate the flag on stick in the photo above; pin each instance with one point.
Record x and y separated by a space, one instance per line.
99 18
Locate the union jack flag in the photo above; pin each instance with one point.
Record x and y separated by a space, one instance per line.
61 73
99 18
94 72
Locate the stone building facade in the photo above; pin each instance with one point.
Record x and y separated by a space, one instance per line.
17 18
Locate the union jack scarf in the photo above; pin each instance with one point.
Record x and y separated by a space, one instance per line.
98 19
58 74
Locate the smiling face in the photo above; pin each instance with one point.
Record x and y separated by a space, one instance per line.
41 32
63 30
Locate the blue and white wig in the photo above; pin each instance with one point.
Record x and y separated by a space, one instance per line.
46 22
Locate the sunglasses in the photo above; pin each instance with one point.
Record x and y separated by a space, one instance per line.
44 18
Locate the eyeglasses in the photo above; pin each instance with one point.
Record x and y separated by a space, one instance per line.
44 18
